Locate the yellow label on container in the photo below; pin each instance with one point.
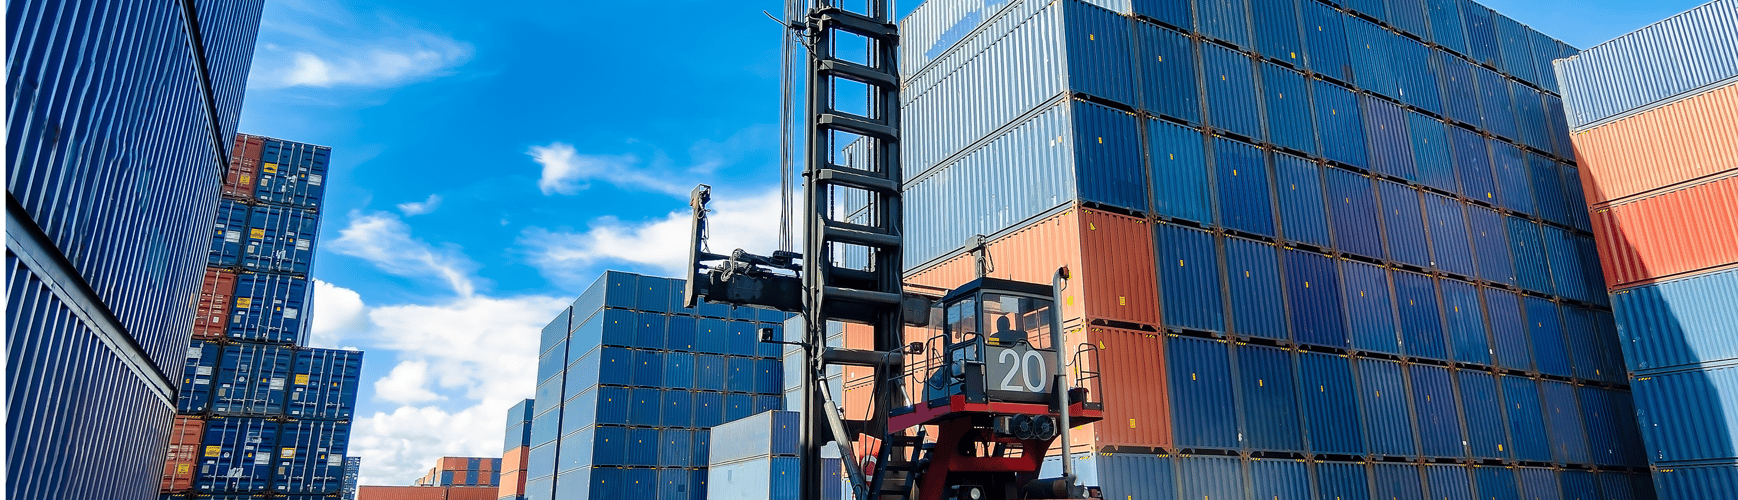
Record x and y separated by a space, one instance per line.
270 168
212 451
258 234
246 179
183 469
243 302
302 379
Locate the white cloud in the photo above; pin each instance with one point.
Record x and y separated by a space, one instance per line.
384 240
414 208
337 311
566 171
321 44
408 383
659 245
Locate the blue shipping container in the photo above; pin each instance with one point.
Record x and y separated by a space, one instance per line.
1369 307
1312 288
1382 399
1679 323
1188 266
269 308
325 384
280 239
197 376
1269 399
226 236
1245 194
1253 281
253 380
1329 396
310 457
1200 380
292 173
237 455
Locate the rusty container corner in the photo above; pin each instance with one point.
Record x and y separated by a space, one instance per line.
182 460
243 172
211 315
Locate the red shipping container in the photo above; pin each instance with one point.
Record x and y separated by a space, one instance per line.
427 493
452 463
243 173
1109 255
1680 142
183 458
1671 234
211 314
512 483
1132 384
515 459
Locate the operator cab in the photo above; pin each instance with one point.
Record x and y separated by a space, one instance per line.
995 344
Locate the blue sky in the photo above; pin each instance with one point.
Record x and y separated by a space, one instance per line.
489 161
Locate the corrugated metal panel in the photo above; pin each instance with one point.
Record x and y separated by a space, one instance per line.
1342 480
1682 231
1253 281
1562 146
1099 63
1450 245
1578 485
1269 399
1403 220
227 233
1678 323
1339 125
1210 477
1482 41
310 457
1011 67
1669 145
1189 278
1579 217
253 380
1329 396
1131 476
1439 433
1409 16
1352 202
1503 310
269 308
1232 103
1554 203
1446 27
1533 120
1107 157
1245 191
1526 418
1568 436
1496 482
1472 162
292 174
1514 191
1279 479
1115 253
1285 94
1179 172
211 313
1460 87
1449 482
1132 363
1169 73
1325 38
1687 415
237 455
183 454
1200 374
1568 276
280 239
1705 481
1419 83
1382 402
1516 47
1370 307
1421 332
1430 150
325 384
1545 332
1276 31
1466 323
1225 20
1386 128
1491 245
1312 287
1302 202
1483 412
1397 481
203 360
1370 48
1539 484
1643 68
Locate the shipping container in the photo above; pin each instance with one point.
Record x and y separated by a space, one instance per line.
1443 481
183 454
1403 224
324 385
1210 477
1136 475
244 155
1178 171
203 360
253 380
1421 325
1382 403
1268 399
1451 244
1353 201
1245 195
1279 479
1679 323
1691 481
771 433
226 236
1634 71
292 174
1132 370
1168 67
1369 307
1342 480
1313 297
1302 201
1467 331
1482 410
1233 105
237 455
1189 283
310 457
1438 414
1330 398
1253 283
1568 436
211 313
1200 375
1685 415
1496 482
773 477
1526 419
1669 234
270 308
1676 143
280 239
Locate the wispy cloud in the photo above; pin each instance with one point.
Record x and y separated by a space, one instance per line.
658 245
415 208
384 240
329 46
566 171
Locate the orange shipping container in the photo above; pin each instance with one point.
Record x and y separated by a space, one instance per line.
1680 142
452 463
1132 384
1683 231
211 315
512 483
1109 255
427 493
515 459
183 458
244 160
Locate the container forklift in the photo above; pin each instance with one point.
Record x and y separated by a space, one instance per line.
969 414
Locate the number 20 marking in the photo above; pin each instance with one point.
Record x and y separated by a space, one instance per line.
1022 368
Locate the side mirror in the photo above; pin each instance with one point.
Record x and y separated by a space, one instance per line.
916 348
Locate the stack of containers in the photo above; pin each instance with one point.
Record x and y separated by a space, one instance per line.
762 461
1325 244
1653 114
263 414
463 471
630 381
517 450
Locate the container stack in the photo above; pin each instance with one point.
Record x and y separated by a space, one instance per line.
630 381
260 415
1654 114
517 450
762 461
463 471
1316 244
